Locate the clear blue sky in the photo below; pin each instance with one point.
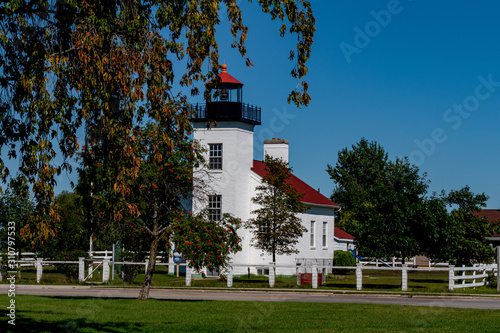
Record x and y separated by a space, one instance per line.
415 80
401 73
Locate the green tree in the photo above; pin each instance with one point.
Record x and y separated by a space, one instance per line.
16 212
106 66
159 220
72 237
382 200
276 228
436 234
470 245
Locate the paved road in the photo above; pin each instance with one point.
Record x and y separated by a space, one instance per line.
270 296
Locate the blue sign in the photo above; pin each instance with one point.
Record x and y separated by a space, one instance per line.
178 258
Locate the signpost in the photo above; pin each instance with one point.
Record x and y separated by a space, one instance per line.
178 260
117 257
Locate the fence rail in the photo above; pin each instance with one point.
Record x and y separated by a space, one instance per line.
458 277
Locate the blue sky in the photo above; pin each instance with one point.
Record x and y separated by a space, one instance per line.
423 81
422 78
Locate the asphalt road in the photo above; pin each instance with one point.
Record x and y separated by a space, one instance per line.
488 302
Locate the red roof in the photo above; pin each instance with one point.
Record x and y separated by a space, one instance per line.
310 195
492 215
226 78
339 233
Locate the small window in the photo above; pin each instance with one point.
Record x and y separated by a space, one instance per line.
214 207
312 233
325 225
215 158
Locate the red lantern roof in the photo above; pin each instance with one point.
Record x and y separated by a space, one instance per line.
226 78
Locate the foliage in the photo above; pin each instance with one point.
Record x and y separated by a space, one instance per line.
386 207
382 200
470 245
163 186
276 228
69 270
130 272
106 66
71 231
207 243
343 258
492 280
436 235
15 206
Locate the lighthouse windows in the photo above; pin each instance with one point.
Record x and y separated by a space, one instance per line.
214 207
215 160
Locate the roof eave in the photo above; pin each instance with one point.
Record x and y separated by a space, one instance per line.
320 205
343 239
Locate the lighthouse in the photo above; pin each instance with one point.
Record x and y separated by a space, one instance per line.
224 126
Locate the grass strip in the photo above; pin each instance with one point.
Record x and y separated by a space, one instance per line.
74 314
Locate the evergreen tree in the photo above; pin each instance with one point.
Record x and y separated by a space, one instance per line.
276 228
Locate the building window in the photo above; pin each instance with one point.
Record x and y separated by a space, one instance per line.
215 160
214 207
312 233
324 233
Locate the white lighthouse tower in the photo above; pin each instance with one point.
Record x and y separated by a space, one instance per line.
225 127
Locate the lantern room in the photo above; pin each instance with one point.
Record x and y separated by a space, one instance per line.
225 103
229 89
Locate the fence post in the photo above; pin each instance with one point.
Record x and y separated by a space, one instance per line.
230 276
483 273
404 278
474 275
463 280
451 277
105 270
272 274
189 270
39 269
315 276
498 269
359 277
146 267
297 271
81 269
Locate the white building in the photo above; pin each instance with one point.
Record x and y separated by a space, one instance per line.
226 127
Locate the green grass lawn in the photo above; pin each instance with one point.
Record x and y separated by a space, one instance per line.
373 280
68 314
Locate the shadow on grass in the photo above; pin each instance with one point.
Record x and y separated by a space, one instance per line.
74 325
80 298
26 322
417 280
365 286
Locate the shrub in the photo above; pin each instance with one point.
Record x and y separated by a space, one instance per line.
130 272
343 258
492 279
69 270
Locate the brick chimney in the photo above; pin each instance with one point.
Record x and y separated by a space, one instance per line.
277 148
